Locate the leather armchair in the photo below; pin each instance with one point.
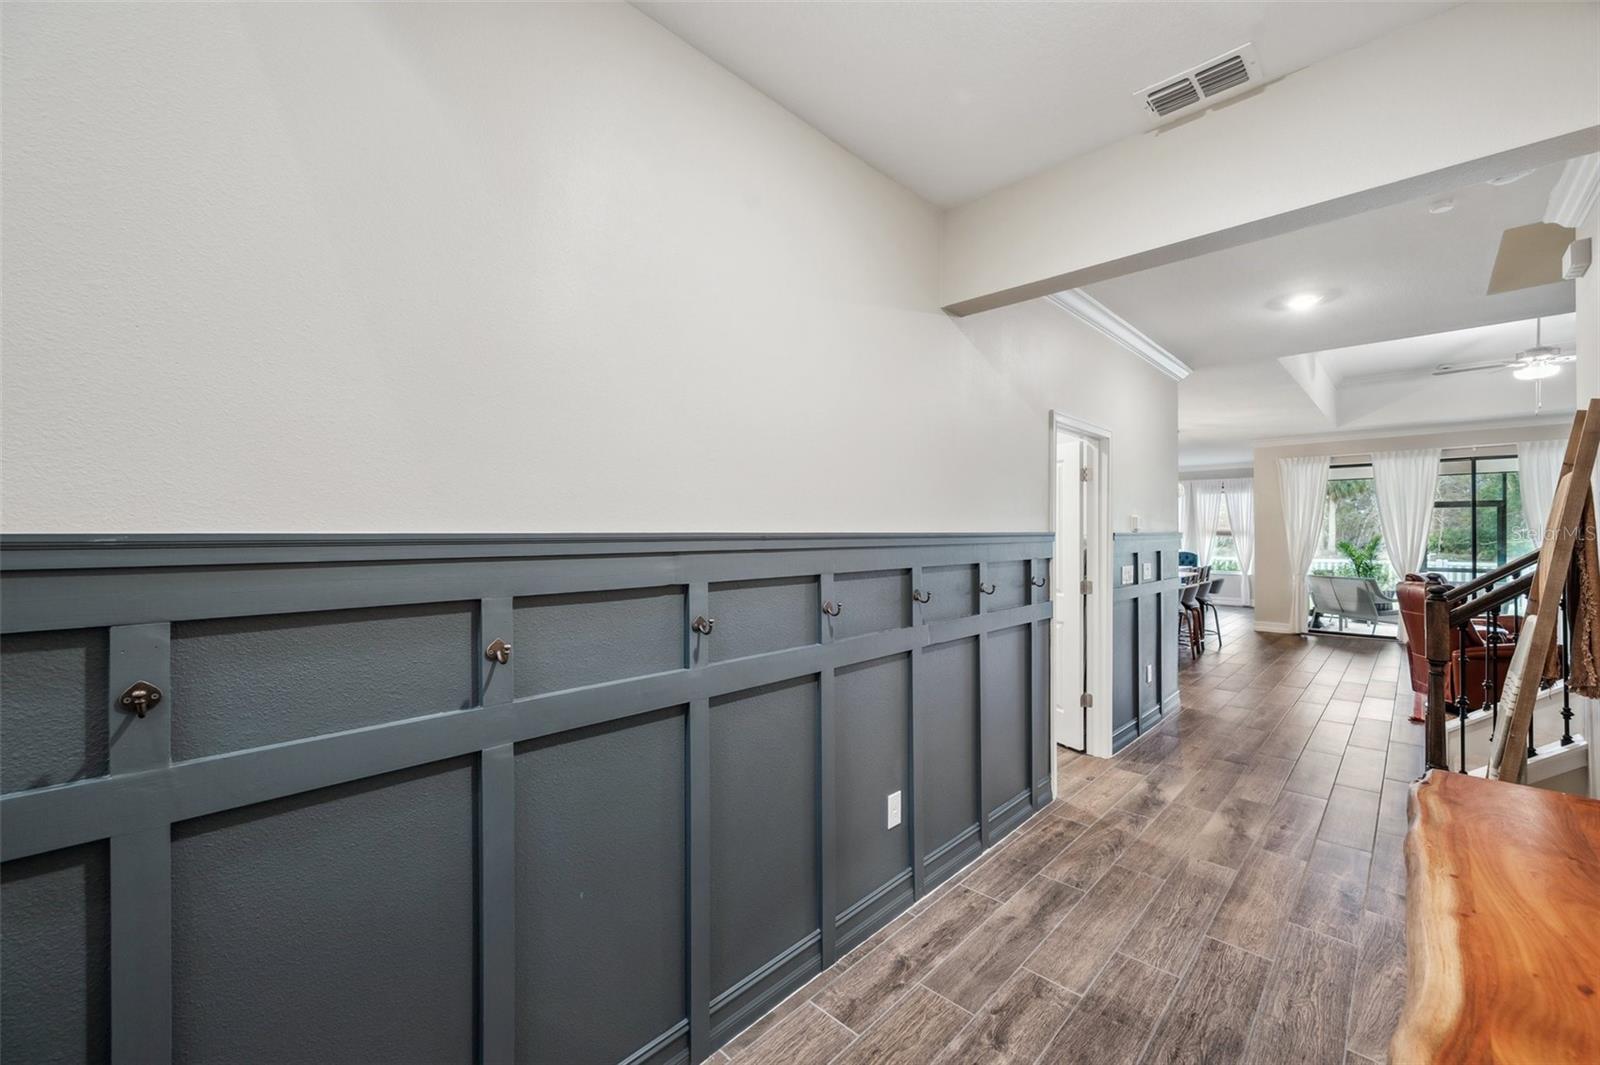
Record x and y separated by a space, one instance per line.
1412 593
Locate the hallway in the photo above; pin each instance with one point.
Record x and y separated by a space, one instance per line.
1230 888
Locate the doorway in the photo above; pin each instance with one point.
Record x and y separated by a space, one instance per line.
1079 587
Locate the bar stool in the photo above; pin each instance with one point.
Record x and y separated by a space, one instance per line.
1187 612
1203 598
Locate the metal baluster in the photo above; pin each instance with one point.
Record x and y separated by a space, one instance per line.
1566 668
1461 692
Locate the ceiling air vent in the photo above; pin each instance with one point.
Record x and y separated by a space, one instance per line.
1226 75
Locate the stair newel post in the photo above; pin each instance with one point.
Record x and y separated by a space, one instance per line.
1436 638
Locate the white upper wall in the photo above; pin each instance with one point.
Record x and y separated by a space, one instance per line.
492 268
1475 81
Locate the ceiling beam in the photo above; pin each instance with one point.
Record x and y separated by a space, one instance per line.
1475 92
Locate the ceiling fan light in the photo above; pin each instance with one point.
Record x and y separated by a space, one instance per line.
1535 371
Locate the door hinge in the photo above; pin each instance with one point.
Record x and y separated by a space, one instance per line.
1086 700
1086 473
1086 587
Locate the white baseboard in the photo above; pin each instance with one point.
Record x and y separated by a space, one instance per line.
1274 626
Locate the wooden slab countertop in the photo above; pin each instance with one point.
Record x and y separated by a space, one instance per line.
1502 925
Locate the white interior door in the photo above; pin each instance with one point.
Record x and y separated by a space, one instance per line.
1066 597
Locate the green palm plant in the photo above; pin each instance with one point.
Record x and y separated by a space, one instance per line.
1363 557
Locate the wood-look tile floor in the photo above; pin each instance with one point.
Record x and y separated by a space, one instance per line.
1228 889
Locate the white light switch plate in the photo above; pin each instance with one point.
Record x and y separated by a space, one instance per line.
894 808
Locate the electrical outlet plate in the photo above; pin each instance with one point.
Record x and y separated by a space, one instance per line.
894 809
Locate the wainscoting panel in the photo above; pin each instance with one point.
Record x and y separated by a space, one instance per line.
763 827
1006 725
569 641
873 700
873 602
954 590
1144 626
947 705
345 832
303 895
754 617
53 713
601 893
55 952
249 682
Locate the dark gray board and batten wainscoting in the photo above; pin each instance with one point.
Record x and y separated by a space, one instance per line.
345 834
1144 626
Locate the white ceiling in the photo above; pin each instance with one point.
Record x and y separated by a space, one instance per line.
954 100
1394 272
1381 388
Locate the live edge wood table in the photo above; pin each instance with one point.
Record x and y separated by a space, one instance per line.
1502 925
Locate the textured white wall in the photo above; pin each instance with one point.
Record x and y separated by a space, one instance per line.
491 268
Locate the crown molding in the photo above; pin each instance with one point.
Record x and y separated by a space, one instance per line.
1575 193
1104 320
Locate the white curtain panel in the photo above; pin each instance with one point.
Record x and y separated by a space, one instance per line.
1405 483
1303 486
1205 508
1539 468
1187 543
1240 495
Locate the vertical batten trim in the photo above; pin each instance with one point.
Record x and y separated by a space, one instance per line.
983 691
912 806
1035 699
141 861
497 908
827 817
698 929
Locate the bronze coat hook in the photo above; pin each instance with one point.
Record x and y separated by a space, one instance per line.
921 596
703 625
985 591
832 609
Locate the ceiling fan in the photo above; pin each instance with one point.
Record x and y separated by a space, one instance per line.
1530 364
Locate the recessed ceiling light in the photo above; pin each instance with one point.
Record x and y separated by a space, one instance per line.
1506 179
1302 301
1441 206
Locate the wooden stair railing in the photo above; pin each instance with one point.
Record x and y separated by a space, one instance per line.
1546 578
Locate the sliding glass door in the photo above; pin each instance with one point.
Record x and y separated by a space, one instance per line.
1477 518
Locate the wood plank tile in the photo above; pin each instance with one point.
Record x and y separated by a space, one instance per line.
1212 784
1014 862
1291 827
1306 1002
1351 818
1386 884
1014 1025
1088 857
1169 933
1372 735
1210 1016
1083 942
1264 778
915 1031
1089 803
1406 761
867 989
1231 832
1162 845
1156 790
1342 711
807 1035
988 957
1362 768
1314 773
1256 907
1330 737
1113 1022
1333 890
1379 988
